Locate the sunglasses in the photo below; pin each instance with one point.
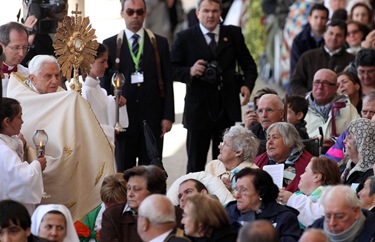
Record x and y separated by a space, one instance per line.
131 11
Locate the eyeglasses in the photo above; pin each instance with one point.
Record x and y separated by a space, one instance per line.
267 110
240 190
366 72
130 12
324 83
18 48
354 32
368 112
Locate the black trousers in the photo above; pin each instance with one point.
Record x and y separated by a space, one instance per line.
198 143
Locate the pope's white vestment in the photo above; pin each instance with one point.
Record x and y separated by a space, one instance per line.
78 153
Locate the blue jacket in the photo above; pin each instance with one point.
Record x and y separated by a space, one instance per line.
368 232
302 43
282 217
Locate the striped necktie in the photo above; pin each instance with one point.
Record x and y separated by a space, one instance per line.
135 45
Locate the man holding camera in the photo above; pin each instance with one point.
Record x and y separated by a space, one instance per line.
42 21
205 57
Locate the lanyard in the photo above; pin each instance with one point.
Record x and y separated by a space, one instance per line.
138 57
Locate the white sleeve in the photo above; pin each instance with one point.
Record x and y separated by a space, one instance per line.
308 210
23 181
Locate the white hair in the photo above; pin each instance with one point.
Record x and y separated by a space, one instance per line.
36 64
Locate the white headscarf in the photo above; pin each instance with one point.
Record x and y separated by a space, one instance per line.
41 210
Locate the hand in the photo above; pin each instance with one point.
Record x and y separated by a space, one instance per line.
327 143
245 92
198 68
166 126
250 118
227 183
30 22
121 101
43 162
369 42
284 196
20 136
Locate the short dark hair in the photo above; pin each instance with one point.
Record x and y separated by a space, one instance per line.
5 30
262 182
155 177
319 7
15 213
298 104
101 50
338 23
365 57
353 78
123 2
9 109
198 185
372 185
199 2
340 14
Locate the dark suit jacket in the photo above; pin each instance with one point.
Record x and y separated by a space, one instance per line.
122 227
190 46
143 101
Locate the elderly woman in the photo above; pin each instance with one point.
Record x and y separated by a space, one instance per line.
237 151
360 149
205 219
319 173
53 222
256 199
284 146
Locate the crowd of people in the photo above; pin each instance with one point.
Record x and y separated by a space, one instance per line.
294 169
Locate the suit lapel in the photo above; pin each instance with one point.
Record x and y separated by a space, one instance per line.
201 42
224 39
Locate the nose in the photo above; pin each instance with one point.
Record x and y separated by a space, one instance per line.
332 221
54 231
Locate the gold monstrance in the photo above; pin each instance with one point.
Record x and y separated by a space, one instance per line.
75 46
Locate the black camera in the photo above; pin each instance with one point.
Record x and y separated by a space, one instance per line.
212 72
43 10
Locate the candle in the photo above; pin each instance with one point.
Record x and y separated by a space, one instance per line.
118 84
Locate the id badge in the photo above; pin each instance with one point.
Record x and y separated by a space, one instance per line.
137 77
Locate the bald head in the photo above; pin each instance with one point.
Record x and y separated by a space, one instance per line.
324 86
315 235
258 231
270 110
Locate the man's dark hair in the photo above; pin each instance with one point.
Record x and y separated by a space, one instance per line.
338 23
319 7
123 3
198 185
298 104
155 177
6 28
365 57
199 2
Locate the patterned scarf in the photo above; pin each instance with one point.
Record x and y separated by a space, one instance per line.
364 135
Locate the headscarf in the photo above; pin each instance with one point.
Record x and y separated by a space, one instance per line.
364 135
42 210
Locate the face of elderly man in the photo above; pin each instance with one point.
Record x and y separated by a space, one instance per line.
324 86
48 79
339 216
269 110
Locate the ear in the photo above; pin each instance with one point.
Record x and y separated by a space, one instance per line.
32 79
28 232
238 153
318 177
357 86
145 224
204 191
282 114
299 115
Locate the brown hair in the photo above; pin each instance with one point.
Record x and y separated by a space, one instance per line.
113 189
155 177
328 168
207 213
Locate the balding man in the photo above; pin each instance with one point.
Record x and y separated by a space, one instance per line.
344 220
157 220
315 235
323 102
258 231
270 110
